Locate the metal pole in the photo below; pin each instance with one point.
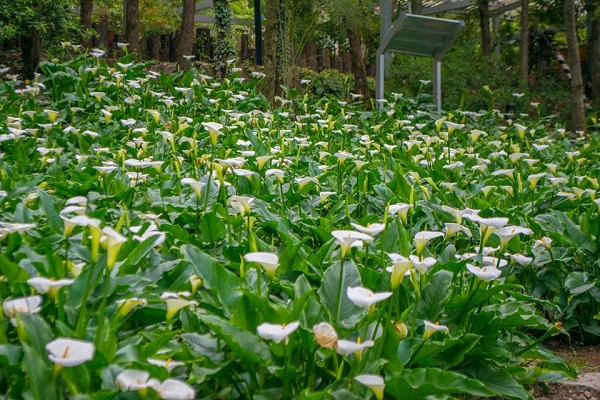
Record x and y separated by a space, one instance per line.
437 84
380 76
385 25
258 32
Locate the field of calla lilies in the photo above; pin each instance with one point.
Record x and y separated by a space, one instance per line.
177 237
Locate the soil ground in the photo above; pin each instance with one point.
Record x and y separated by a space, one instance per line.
587 361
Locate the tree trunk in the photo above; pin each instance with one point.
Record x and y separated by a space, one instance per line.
86 21
484 23
31 50
593 10
132 26
524 50
224 50
577 96
185 47
416 7
359 67
273 8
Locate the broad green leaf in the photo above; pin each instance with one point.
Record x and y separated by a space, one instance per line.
131 263
51 209
336 281
434 295
577 283
212 228
215 277
421 382
244 344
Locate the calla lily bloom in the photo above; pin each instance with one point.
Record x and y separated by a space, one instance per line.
132 379
486 274
214 129
487 226
175 303
431 328
347 239
422 265
127 305
325 335
371 229
173 389
347 347
544 242
520 259
70 352
423 237
197 186
168 364
508 232
44 285
451 228
373 382
365 298
241 203
400 209
112 242
28 305
276 332
400 267
269 261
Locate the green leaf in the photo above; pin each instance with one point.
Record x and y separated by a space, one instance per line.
336 281
10 355
203 346
501 382
12 272
51 209
243 344
577 283
140 251
434 295
421 382
212 228
215 277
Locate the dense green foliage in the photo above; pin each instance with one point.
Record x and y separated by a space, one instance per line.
52 18
218 214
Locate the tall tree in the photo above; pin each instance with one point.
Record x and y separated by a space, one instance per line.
86 7
224 48
593 10
132 26
270 57
524 49
359 66
34 22
416 6
356 19
484 23
185 47
577 95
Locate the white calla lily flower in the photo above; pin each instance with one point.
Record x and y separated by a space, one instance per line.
276 332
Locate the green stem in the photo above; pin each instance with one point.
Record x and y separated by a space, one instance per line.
79 327
339 292
102 309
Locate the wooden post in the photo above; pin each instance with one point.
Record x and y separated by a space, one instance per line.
102 30
311 55
244 52
155 46
144 47
173 40
346 62
165 43
204 41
